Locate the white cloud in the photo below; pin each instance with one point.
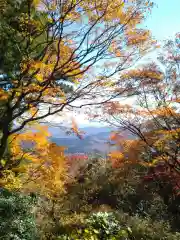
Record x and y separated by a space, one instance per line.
65 118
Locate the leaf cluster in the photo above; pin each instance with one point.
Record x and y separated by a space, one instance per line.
16 218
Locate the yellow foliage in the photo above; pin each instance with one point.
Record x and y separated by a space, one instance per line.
164 111
36 2
143 74
47 177
116 155
42 168
10 181
39 77
65 58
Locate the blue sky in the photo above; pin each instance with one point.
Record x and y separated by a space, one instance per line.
164 21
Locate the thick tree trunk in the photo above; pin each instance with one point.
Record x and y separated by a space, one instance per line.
5 131
4 141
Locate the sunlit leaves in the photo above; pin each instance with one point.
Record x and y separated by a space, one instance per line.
3 95
153 118
137 36
143 74
39 77
36 2
76 130
36 139
63 42
10 181
39 165
116 158
47 177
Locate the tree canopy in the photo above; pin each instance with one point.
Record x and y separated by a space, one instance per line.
61 56
48 45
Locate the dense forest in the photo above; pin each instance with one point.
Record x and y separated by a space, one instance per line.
67 56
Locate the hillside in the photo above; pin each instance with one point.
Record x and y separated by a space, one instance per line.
95 140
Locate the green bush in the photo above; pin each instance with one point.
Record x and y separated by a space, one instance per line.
132 209
16 219
105 224
145 228
121 189
100 225
114 226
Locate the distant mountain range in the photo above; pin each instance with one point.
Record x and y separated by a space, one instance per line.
95 140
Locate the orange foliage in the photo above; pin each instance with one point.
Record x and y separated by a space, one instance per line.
63 47
76 130
143 74
128 152
153 118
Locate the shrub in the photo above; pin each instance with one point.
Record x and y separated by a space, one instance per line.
120 226
145 228
104 224
16 219
100 225
123 189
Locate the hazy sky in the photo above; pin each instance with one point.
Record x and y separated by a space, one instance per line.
164 21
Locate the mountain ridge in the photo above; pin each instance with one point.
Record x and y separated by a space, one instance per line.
95 140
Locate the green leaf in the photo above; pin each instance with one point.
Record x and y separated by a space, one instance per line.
3 162
95 231
123 233
129 230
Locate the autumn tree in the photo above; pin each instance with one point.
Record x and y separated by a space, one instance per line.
37 168
56 52
36 165
153 119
